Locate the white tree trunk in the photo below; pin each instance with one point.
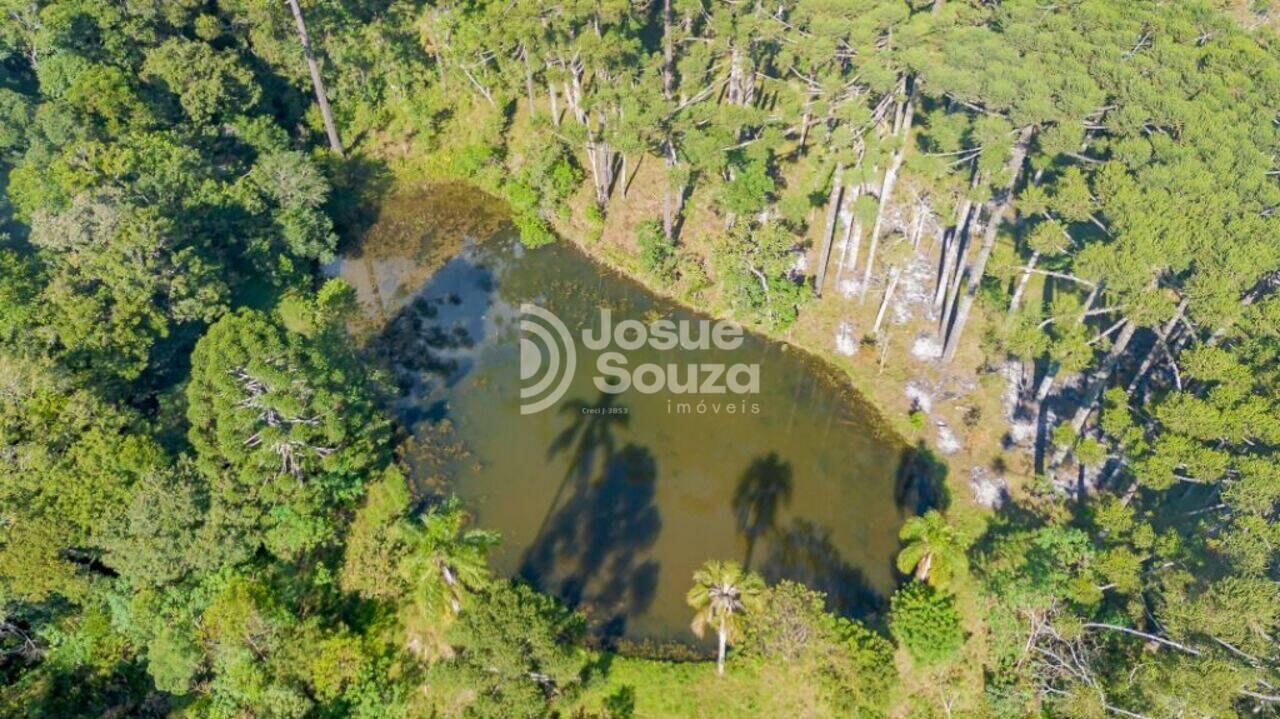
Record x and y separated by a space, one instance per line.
317 82
894 275
951 260
903 133
528 82
999 210
722 639
922 569
828 230
1159 346
668 53
555 104
1022 282
1094 389
850 198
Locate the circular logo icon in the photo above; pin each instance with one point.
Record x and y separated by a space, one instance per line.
548 358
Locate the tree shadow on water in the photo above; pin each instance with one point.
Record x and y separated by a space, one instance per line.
590 441
432 340
804 552
764 489
360 184
590 434
591 549
921 481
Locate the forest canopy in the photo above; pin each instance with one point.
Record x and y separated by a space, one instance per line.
204 506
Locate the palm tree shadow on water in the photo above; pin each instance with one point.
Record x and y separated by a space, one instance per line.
764 489
591 548
589 439
804 552
801 550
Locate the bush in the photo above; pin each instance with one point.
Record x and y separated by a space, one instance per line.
657 253
694 276
550 169
925 622
595 222
1064 435
534 231
847 667
1090 452
754 266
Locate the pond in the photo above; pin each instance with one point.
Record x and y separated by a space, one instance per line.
611 501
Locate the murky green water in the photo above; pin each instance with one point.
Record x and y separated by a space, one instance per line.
612 501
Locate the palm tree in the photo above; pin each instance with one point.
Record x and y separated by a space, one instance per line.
721 592
445 560
933 549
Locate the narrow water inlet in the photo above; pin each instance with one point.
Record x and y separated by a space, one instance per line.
611 501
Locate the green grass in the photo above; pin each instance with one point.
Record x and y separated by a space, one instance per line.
686 690
693 690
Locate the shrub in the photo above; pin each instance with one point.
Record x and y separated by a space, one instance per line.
595 222
657 253
925 622
534 231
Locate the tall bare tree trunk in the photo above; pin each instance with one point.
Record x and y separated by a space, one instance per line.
852 225
668 213
804 122
962 304
917 226
573 97
857 233
555 103
1022 282
952 238
1051 374
828 230
1000 208
901 131
1099 382
963 265
605 159
668 53
894 275
317 82
954 253
528 81
672 202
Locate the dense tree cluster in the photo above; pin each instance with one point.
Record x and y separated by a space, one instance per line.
1125 154
200 507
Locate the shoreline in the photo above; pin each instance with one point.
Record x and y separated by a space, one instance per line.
887 397
906 475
